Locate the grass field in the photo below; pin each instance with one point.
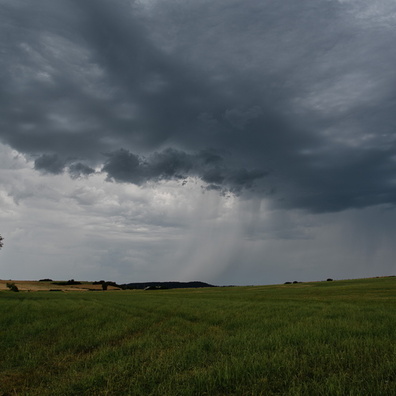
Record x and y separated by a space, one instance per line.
323 338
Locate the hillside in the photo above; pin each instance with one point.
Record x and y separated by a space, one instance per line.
55 285
167 285
29 285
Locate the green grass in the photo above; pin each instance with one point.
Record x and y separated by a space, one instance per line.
325 338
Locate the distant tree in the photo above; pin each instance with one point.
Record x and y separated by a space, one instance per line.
1 241
12 286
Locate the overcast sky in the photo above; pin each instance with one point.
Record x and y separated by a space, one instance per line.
227 141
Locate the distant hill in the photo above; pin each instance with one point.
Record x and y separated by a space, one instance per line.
166 285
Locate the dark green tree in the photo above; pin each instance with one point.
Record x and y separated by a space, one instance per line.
12 286
1 241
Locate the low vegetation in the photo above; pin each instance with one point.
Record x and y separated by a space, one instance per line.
324 338
12 286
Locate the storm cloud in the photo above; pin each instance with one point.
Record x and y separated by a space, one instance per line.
287 102
304 89
170 164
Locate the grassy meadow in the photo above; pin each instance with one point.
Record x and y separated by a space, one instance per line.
321 338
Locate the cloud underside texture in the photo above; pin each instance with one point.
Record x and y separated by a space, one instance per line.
294 101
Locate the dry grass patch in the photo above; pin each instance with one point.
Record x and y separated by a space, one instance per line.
34 286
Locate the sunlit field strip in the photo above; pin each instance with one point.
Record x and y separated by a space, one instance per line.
324 338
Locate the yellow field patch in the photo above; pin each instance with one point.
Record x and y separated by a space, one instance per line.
27 285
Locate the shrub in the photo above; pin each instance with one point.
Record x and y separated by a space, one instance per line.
12 286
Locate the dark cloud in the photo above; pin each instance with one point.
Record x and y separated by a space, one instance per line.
124 166
78 169
306 90
171 164
52 163
49 163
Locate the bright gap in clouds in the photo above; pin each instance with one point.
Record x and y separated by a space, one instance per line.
92 229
